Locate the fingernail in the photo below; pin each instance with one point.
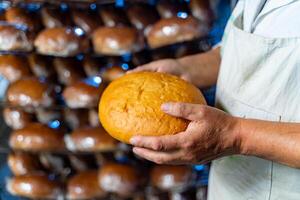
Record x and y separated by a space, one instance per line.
133 141
165 107
134 150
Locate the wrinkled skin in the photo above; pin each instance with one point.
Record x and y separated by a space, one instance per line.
169 66
211 134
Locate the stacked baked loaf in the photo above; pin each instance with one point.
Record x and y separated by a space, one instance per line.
103 30
58 59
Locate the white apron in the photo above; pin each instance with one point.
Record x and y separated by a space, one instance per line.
259 78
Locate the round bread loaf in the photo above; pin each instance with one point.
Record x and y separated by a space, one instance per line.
51 17
83 162
84 185
35 186
90 139
61 41
201 9
68 70
86 21
22 163
112 73
92 66
37 137
13 38
171 177
14 67
119 179
16 118
41 66
20 16
93 117
30 92
82 95
131 105
168 9
112 16
174 30
141 15
47 115
76 118
116 40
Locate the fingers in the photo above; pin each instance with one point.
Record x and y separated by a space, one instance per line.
159 157
147 67
174 157
186 77
161 143
188 111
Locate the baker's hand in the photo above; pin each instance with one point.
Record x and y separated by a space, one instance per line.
170 66
210 134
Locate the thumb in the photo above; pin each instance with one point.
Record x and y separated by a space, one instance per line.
192 112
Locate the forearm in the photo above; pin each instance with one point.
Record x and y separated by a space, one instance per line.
275 141
204 68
